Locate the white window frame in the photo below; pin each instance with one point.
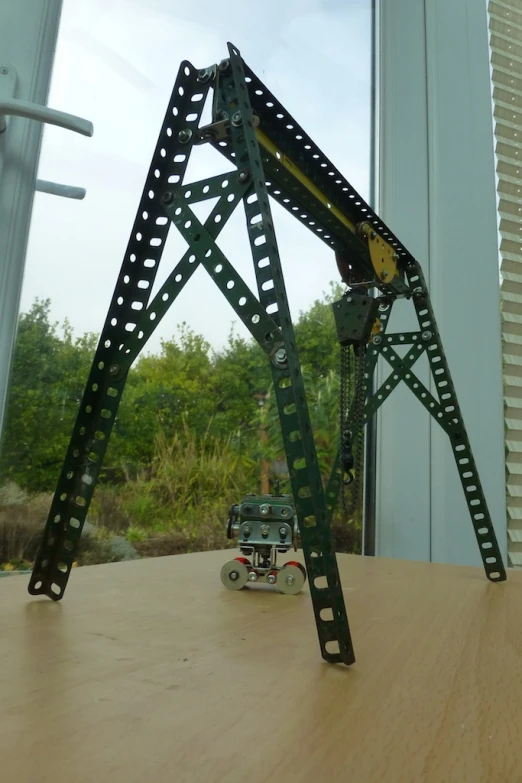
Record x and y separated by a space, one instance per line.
435 188
28 35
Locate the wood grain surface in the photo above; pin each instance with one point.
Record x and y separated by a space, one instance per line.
152 671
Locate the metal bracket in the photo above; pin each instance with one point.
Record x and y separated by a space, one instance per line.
383 256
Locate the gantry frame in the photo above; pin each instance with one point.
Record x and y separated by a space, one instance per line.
270 156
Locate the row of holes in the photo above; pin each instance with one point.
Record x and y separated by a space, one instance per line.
467 476
302 216
151 263
308 147
289 409
81 502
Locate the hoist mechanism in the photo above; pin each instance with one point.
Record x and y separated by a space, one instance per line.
269 155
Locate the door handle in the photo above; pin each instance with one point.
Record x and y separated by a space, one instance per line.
11 106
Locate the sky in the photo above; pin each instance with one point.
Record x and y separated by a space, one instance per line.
116 63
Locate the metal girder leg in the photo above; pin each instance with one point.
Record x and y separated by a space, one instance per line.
107 377
316 539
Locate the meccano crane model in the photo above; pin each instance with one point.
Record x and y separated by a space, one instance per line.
269 155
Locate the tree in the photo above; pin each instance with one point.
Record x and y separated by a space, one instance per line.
47 381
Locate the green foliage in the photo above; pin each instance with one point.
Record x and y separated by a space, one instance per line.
50 368
185 443
315 335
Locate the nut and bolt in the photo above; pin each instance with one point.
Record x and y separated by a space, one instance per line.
377 339
384 274
395 256
426 335
283 532
280 355
252 577
247 530
265 529
271 579
184 135
290 580
233 576
224 65
114 370
264 510
243 176
384 306
237 118
373 235
168 197
204 75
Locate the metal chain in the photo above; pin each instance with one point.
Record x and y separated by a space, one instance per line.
352 401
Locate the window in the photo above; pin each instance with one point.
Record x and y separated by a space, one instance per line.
194 397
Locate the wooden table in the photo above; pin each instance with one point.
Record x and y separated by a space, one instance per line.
151 671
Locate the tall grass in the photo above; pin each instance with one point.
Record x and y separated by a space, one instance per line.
181 502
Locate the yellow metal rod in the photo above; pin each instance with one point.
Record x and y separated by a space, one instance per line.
382 254
285 161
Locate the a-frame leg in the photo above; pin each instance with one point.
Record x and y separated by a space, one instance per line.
305 477
443 406
107 377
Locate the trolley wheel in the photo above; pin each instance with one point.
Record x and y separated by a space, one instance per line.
234 574
291 578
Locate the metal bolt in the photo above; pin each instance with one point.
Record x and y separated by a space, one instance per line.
264 510
247 530
377 339
236 118
290 580
243 176
252 577
167 197
395 256
426 335
384 274
114 369
373 235
280 355
204 75
184 135
265 529
4 70
384 306
224 65
271 579
282 532
233 576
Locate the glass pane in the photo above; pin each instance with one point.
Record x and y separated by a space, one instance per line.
197 427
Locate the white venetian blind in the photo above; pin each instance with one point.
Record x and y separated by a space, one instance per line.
505 25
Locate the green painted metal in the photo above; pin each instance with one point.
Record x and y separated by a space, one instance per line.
442 406
305 477
241 103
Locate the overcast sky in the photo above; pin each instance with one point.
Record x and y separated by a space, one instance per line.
116 64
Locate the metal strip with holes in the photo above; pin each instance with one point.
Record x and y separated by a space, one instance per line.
305 478
107 377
